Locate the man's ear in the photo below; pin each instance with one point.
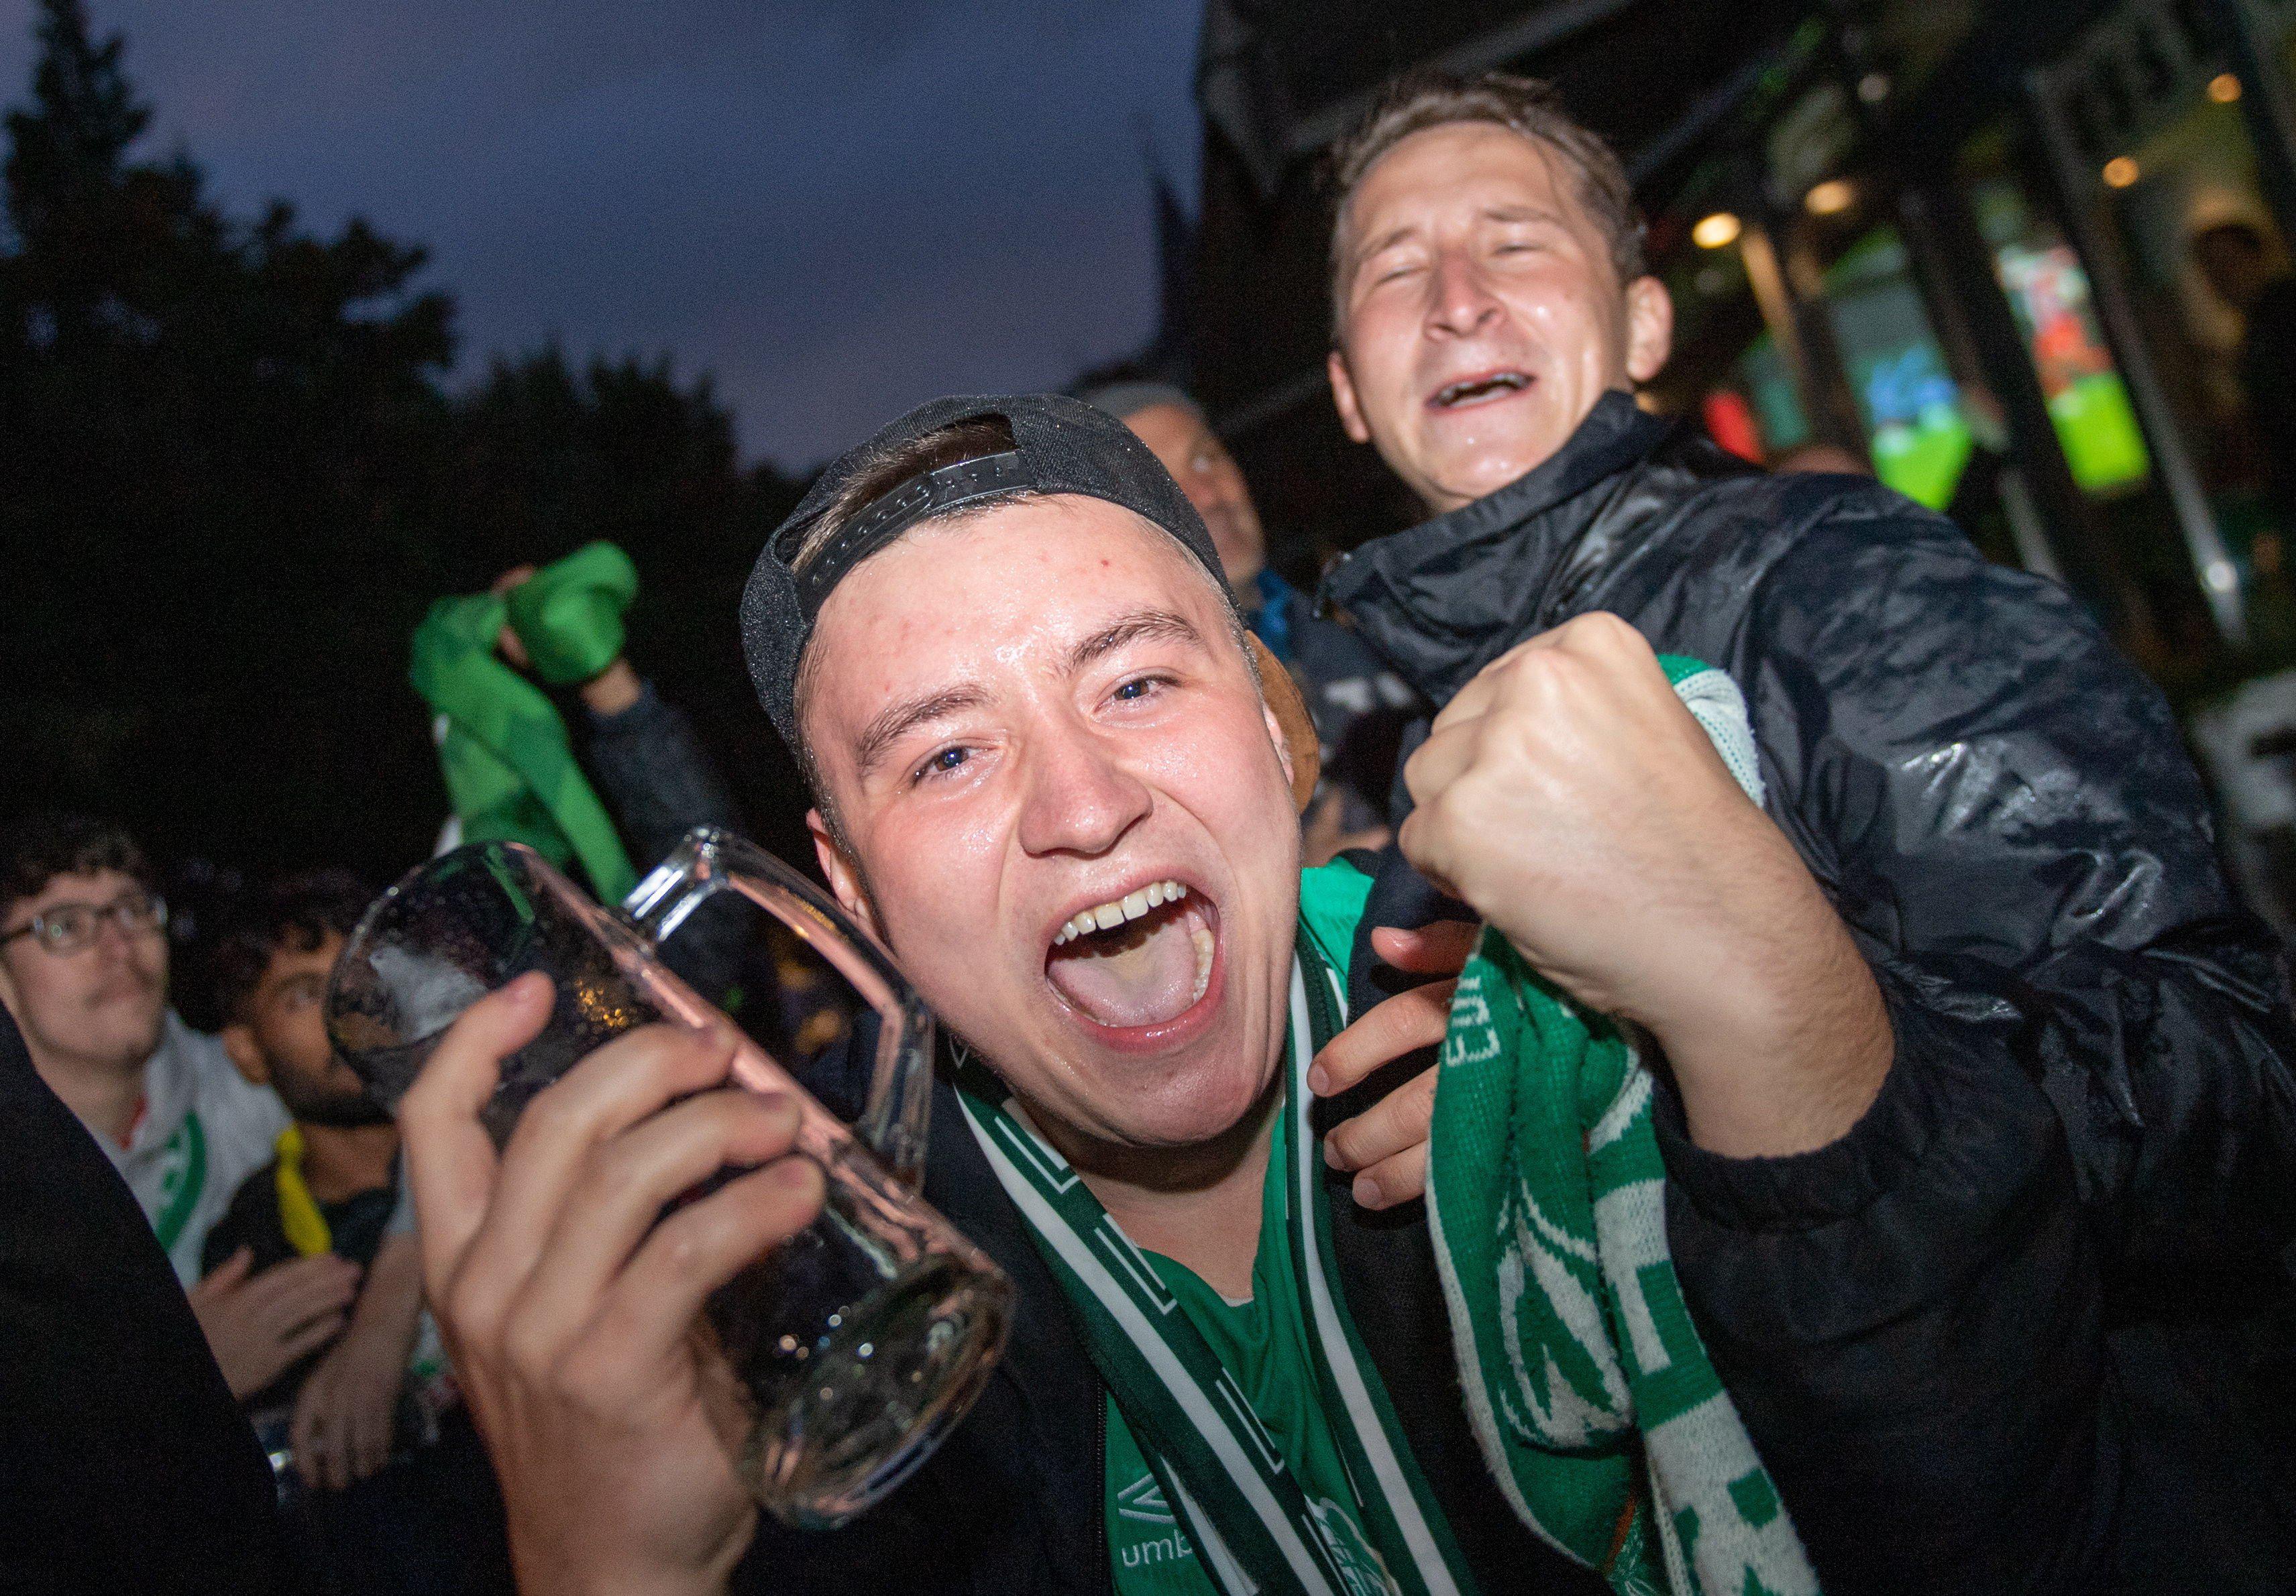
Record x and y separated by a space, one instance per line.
10 999
1290 724
1275 736
246 1056
845 882
1650 328
1343 397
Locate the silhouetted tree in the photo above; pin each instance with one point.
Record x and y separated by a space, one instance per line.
547 457
230 479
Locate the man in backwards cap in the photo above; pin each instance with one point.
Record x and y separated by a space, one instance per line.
1053 771
1360 707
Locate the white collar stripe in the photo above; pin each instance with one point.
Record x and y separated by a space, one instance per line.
1119 1306
1338 1350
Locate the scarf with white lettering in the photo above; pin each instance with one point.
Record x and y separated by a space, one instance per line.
1596 1407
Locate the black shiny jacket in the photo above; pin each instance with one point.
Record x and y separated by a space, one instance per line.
2026 1327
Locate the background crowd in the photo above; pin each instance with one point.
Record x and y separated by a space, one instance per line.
168 975
246 428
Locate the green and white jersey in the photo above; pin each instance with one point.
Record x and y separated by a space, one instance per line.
1262 1343
203 1129
1251 1449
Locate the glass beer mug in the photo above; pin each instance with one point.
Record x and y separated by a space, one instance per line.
859 1342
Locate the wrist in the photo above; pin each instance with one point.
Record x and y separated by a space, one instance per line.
612 689
376 1350
1783 1065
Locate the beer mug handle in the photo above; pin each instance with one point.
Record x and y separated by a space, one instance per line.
710 861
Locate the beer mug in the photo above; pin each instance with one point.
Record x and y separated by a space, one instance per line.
859 1342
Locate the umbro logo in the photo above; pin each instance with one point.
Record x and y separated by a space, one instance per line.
1142 1501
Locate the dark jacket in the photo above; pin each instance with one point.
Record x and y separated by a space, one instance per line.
2026 1327
662 783
1011 1503
1360 707
125 1464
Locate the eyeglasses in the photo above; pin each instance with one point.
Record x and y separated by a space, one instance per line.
71 928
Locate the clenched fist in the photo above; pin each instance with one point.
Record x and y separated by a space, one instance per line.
1567 796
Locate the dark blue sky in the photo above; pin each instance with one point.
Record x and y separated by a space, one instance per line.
838 209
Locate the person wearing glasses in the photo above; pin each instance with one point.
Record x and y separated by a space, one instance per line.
84 972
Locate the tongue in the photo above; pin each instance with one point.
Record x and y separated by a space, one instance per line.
1142 974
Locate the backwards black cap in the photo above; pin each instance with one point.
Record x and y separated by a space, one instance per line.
1060 444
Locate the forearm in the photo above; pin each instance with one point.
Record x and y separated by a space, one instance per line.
653 771
390 1303
1753 988
540 1560
1782 1045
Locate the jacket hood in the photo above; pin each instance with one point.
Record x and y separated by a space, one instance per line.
1440 600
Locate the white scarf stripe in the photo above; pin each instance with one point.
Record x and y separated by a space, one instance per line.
1369 1431
1151 1345
1233 1579
1120 1248
1247 1422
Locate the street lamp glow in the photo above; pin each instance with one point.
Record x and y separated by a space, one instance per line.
1716 231
2224 89
2120 172
1829 198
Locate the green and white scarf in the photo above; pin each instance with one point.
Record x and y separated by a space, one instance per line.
1592 1399
1588 1389
1219 1469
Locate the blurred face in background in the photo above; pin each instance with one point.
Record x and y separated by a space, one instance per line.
1479 315
279 1039
2233 261
1063 806
102 1006
1208 474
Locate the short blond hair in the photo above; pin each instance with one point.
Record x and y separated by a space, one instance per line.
1428 97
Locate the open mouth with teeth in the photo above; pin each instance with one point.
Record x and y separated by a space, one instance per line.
1136 965
1471 390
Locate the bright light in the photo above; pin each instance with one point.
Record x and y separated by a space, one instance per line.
2120 172
2224 89
1713 232
1831 197
1873 88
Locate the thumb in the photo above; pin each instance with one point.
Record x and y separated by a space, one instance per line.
1412 838
1439 948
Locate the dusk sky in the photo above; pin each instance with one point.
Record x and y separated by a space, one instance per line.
838 209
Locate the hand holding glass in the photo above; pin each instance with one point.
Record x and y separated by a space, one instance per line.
861 1341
